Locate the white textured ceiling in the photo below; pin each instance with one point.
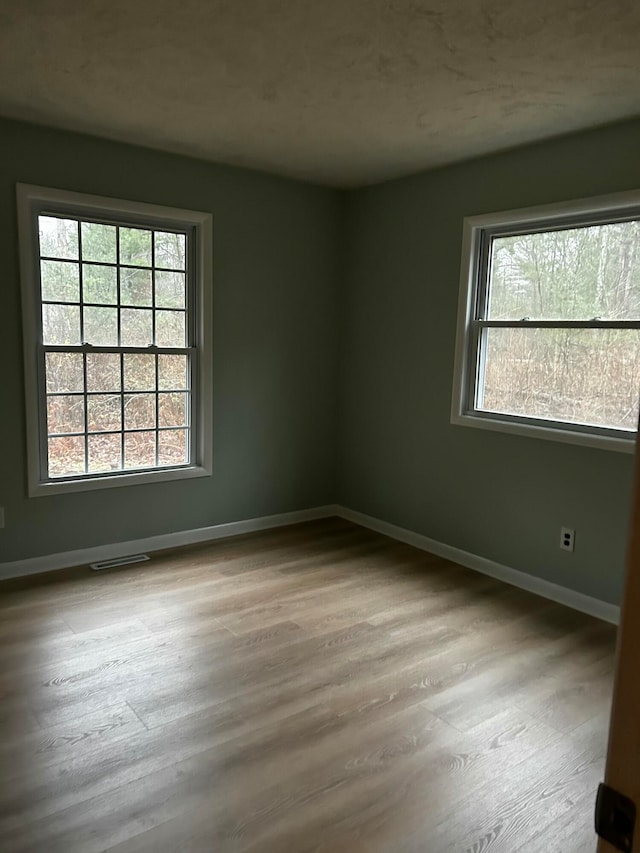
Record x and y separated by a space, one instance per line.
342 92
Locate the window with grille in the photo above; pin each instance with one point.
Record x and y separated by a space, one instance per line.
549 322
117 340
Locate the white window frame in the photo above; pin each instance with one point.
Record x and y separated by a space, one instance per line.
34 200
477 234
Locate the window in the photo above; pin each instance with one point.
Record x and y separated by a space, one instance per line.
549 322
117 322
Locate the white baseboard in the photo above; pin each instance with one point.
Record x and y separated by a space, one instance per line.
84 556
560 594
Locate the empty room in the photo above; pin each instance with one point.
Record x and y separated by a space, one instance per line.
319 332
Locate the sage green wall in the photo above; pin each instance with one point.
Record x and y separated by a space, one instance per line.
275 257
334 330
499 496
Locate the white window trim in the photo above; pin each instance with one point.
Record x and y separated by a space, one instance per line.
30 198
597 210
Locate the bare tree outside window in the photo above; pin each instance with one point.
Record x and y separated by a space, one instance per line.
588 376
552 324
117 330
110 287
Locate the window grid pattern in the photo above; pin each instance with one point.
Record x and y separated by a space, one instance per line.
116 354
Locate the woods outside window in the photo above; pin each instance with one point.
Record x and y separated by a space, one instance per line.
549 322
117 322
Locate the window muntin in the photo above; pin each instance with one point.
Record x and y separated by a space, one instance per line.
548 335
109 293
117 340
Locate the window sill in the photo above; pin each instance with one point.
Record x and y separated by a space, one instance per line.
119 480
547 433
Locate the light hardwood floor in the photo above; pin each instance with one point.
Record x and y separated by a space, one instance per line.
313 688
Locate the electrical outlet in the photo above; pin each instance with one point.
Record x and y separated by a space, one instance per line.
567 538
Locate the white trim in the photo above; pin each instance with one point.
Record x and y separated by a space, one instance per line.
554 592
596 210
494 423
570 598
32 198
466 290
84 556
627 201
124 478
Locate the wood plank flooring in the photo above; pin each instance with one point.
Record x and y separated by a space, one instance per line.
313 688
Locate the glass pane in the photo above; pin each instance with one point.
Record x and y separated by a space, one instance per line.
99 284
170 250
135 287
172 447
101 326
139 372
104 453
98 242
58 237
140 411
66 456
139 450
65 414
578 273
135 247
103 371
170 328
586 376
60 325
64 372
136 327
60 281
172 410
170 292
172 372
103 412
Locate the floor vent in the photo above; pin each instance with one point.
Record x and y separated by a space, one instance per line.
118 561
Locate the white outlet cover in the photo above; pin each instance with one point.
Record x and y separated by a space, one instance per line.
567 539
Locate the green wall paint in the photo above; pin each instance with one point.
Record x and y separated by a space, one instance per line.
275 274
334 330
499 496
